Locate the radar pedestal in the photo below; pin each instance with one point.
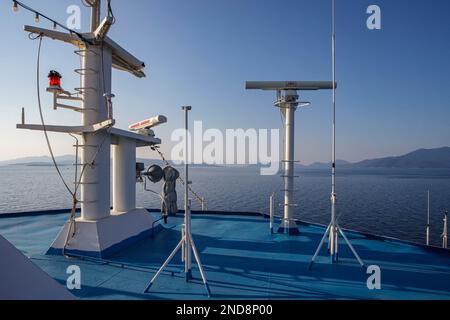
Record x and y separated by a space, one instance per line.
101 238
288 102
96 235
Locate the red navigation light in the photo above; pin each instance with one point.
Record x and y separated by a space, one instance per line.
54 79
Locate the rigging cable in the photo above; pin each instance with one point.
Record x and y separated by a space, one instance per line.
41 114
55 23
108 103
73 211
110 12
86 4
47 139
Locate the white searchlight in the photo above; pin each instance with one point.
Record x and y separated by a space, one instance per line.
148 123
144 127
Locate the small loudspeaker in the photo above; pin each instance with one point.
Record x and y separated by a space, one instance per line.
154 173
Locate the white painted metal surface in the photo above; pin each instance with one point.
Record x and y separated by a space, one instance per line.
141 140
271 211
124 175
187 207
427 229
115 133
99 228
95 187
288 102
99 236
445 232
186 244
68 129
55 35
289 127
121 59
95 13
334 229
334 235
148 123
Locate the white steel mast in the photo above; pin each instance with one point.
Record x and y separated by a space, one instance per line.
99 230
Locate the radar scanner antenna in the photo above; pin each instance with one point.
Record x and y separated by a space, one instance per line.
334 230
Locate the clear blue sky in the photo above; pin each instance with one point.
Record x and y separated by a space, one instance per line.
393 94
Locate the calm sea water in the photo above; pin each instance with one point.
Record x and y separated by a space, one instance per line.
389 202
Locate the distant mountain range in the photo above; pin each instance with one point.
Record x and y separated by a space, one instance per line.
39 161
68 160
422 158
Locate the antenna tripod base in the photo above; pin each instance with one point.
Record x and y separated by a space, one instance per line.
333 232
187 243
289 227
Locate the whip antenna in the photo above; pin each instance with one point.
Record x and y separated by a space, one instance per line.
333 230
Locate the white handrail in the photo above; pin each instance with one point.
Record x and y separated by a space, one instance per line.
271 211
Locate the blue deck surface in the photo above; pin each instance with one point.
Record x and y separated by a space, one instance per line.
242 260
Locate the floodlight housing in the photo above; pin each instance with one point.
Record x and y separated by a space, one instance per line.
148 123
103 28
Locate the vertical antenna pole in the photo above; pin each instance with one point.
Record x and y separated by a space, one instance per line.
333 248
445 233
271 212
333 228
428 219
186 243
183 246
187 211
95 15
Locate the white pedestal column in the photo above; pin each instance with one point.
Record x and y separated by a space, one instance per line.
124 172
288 225
95 187
289 164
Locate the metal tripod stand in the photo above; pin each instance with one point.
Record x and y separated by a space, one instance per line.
333 230
186 243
